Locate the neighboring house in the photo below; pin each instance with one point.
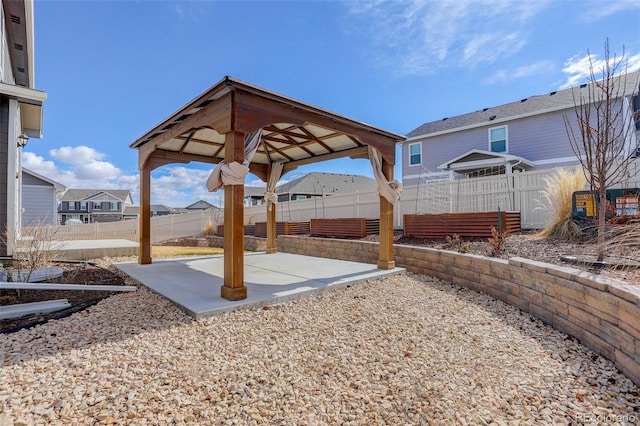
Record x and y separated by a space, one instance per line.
254 195
133 212
20 110
199 205
528 134
94 205
317 184
39 199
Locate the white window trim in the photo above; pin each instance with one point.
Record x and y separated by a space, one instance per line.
72 206
409 152
506 138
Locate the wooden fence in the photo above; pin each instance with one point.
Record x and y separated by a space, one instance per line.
346 227
463 224
282 228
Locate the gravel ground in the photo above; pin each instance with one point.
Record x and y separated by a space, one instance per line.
406 350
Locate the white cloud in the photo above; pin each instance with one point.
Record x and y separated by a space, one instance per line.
179 186
76 155
419 36
598 9
498 44
47 168
537 68
76 167
578 68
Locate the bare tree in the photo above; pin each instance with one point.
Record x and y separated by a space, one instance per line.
602 134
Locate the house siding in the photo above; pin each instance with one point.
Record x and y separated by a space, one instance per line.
537 136
4 167
541 139
39 203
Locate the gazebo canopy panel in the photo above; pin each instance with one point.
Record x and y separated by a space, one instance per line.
293 133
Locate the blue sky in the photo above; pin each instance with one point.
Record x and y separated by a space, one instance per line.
115 69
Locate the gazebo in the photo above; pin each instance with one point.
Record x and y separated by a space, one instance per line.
240 128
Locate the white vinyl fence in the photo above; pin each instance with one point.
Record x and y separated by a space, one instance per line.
163 228
521 192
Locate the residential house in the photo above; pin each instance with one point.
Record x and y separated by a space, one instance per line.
133 212
318 184
20 109
254 195
199 205
39 199
528 134
94 205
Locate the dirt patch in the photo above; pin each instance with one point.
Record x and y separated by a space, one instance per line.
79 273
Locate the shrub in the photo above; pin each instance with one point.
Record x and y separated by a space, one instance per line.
557 196
496 243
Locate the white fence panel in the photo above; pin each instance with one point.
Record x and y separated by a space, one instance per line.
162 228
519 191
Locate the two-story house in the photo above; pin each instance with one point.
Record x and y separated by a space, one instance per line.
20 110
528 134
94 205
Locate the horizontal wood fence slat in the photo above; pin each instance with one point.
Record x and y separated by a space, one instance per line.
463 224
345 227
283 228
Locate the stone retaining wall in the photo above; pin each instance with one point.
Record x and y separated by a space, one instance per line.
603 313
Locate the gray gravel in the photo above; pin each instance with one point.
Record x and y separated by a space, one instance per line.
404 350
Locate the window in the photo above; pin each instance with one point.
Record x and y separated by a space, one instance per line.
415 154
83 205
113 205
72 205
301 197
498 139
97 205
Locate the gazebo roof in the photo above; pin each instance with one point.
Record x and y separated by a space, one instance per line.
294 133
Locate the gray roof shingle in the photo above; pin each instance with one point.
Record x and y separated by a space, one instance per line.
327 183
539 103
84 194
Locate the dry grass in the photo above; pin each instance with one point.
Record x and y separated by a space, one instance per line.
171 251
557 196
209 228
627 241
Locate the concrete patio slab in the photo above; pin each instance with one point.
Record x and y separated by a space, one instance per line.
194 283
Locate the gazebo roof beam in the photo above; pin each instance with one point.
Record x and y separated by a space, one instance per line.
358 152
273 148
317 139
186 142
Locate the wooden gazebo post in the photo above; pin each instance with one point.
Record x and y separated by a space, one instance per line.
233 287
272 246
385 255
144 221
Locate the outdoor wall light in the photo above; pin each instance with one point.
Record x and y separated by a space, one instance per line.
22 140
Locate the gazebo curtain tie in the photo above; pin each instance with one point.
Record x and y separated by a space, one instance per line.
234 173
389 190
276 172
